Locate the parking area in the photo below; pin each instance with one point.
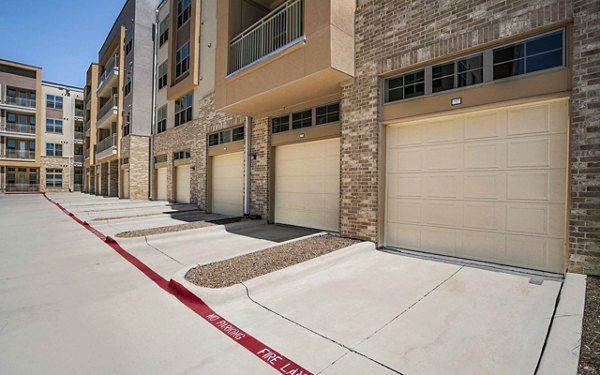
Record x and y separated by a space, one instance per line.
355 310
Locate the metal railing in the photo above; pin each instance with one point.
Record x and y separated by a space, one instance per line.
107 107
78 135
22 187
106 143
282 26
78 159
111 68
79 112
21 102
17 128
77 187
18 154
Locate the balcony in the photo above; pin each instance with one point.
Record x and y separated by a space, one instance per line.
22 188
298 52
109 78
108 113
106 147
17 154
79 112
78 137
87 126
14 129
78 160
18 104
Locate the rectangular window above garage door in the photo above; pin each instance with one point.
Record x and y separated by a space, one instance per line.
181 155
226 136
326 114
545 51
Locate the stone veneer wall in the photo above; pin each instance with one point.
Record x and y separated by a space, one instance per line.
58 163
259 167
391 35
103 179
193 135
92 186
137 149
113 178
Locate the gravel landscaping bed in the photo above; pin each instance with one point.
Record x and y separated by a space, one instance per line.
166 229
589 357
239 269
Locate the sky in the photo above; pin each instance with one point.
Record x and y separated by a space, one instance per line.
61 36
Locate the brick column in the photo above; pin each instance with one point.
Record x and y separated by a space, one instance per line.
584 216
104 179
92 186
259 168
113 178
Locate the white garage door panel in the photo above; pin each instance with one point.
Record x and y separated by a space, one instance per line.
161 184
227 184
183 184
488 186
126 184
307 184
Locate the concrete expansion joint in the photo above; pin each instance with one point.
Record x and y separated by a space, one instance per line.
349 349
162 252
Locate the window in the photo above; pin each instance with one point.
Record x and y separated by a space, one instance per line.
54 102
531 55
54 126
127 125
226 136
124 161
182 60
11 176
54 177
127 87
54 149
302 119
183 109
280 124
327 114
183 11
162 75
180 155
128 41
33 177
161 119
160 159
405 86
11 144
11 118
458 73
164 31
31 146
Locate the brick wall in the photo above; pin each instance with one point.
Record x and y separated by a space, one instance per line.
103 179
584 215
139 164
392 35
55 163
113 178
91 188
260 149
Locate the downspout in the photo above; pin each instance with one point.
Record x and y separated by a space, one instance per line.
247 161
153 127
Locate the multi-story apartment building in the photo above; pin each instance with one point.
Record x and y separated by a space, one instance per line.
124 104
61 146
20 111
185 65
90 114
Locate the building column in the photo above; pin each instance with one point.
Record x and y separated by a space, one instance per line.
92 181
113 178
104 179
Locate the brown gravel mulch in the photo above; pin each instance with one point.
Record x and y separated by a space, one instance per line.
239 269
589 357
161 230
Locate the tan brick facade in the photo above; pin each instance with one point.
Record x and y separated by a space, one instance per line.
137 149
55 163
260 149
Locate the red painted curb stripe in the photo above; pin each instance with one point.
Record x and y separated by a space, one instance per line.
271 357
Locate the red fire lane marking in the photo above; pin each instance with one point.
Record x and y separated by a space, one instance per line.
270 356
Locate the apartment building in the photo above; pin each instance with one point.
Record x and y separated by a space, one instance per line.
90 114
419 128
61 146
20 111
124 104
184 109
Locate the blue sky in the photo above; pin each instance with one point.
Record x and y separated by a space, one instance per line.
61 36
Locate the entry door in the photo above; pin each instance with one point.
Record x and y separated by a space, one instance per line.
487 185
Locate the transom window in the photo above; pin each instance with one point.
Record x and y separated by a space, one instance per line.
226 136
54 177
54 102
183 109
182 60
164 31
124 161
162 75
161 119
183 11
538 53
54 149
160 159
322 115
181 155
127 125
54 126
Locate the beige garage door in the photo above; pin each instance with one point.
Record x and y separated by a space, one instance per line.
161 184
307 184
183 184
126 183
227 184
489 185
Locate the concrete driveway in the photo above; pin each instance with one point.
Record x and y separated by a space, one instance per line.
353 311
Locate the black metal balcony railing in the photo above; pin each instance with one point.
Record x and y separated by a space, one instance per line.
78 158
17 128
111 68
106 143
79 112
22 187
282 26
78 135
21 102
107 107
18 154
